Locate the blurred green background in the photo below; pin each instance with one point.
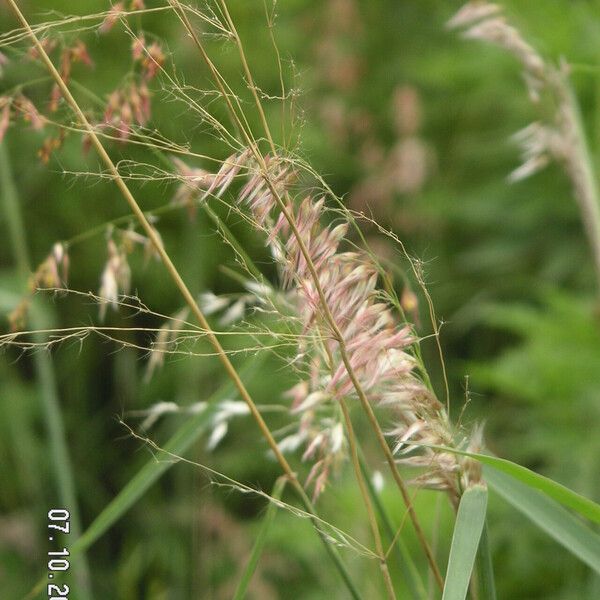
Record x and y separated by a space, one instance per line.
405 121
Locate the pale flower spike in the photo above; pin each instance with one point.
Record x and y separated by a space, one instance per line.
483 21
560 136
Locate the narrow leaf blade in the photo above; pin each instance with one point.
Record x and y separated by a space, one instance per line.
465 541
178 444
584 506
259 544
549 516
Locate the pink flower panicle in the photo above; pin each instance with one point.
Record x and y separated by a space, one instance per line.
376 343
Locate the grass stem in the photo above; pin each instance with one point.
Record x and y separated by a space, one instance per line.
360 478
411 574
259 544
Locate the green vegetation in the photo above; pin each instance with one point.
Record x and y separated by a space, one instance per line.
136 406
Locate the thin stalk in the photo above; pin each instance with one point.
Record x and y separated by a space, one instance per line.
259 544
46 380
411 573
581 171
337 335
249 76
436 539
367 500
271 26
233 242
185 292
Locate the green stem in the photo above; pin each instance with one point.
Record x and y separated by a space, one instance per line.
45 377
259 544
407 565
248 263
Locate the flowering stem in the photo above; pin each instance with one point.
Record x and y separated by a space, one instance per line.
185 292
337 335
411 574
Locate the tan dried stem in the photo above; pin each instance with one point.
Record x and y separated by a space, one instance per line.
176 277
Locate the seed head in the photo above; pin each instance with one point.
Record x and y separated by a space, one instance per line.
112 17
116 278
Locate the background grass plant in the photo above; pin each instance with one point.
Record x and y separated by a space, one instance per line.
410 151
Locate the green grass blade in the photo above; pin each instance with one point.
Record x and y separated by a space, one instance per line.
465 541
259 544
485 567
560 493
61 465
179 443
584 506
549 516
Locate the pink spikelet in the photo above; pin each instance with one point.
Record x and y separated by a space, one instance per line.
112 17
5 104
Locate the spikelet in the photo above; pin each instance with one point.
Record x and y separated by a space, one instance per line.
112 17
115 279
52 273
164 339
